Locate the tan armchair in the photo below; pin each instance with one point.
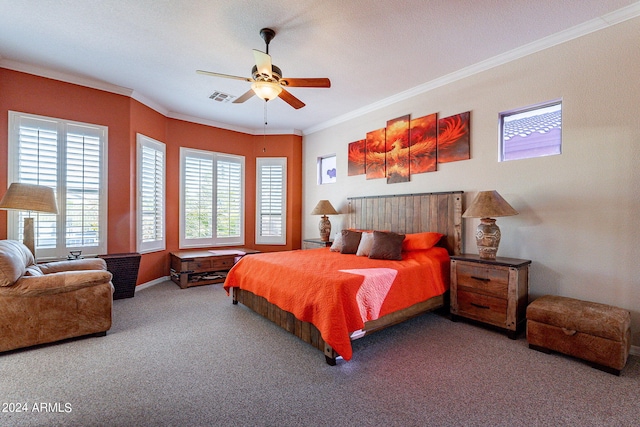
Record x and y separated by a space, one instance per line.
43 303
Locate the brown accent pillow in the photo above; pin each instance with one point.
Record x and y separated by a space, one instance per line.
350 241
386 245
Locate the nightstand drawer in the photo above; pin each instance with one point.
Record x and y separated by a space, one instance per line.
483 308
491 280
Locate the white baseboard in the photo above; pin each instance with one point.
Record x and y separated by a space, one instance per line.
152 283
635 350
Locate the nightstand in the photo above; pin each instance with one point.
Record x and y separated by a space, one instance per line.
495 292
315 243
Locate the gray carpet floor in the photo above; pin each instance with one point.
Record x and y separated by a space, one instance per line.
188 357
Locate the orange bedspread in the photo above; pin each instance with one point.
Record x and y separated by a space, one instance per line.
309 284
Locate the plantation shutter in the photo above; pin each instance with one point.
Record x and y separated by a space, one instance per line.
151 195
229 197
271 200
82 187
198 200
212 210
38 164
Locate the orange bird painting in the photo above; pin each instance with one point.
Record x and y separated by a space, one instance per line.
375 154
356 165
397 146
423 144
453 138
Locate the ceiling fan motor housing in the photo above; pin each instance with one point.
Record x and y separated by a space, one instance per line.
276 74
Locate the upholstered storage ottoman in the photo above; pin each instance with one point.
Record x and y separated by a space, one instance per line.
594 332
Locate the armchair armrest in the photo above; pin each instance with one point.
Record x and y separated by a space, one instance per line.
55 283
73 265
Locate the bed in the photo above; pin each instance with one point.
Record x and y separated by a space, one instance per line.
327 310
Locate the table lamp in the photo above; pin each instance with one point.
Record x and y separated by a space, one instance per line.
488 204
29 197
324 208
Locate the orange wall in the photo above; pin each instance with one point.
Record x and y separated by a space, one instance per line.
125 117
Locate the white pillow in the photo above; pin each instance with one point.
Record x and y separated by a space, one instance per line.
366 243
337 243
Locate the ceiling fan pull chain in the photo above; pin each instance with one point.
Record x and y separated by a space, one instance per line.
264 129
265 115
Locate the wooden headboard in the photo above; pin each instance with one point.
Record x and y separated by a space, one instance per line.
411 213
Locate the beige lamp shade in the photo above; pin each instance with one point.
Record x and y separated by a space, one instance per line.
324 208
29 197
488 204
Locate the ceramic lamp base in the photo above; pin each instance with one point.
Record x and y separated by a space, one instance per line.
325 228
487 238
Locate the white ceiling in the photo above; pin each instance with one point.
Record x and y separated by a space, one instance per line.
373 51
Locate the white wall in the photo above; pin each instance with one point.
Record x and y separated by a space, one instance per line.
579 215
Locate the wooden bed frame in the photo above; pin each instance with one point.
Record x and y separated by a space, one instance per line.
410 213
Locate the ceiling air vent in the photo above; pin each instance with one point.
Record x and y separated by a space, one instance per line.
221 97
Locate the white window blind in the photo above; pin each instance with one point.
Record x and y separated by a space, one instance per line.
70 158
229 197
271 200
212 199
151 164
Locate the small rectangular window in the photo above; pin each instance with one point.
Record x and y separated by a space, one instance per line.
327 169
534 131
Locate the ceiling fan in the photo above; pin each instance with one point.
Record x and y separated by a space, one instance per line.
266 79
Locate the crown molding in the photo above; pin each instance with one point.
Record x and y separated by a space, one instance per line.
605 21
226 126
64 77
150 103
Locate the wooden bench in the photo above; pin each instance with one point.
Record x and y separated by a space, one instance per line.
597 333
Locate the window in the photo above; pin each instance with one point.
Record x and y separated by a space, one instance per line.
533 131
271 200
151 164
211 199
70 158
327 169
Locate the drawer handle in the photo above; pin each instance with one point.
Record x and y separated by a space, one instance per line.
482 279
486 307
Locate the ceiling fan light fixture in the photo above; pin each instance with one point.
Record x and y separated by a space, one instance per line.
266 90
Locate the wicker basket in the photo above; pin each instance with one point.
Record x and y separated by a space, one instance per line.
124 268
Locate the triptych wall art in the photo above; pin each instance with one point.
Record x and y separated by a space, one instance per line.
409 146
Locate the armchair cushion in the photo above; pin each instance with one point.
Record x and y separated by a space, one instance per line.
14 259
56 283
78 264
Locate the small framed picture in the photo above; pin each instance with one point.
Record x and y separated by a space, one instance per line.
327 169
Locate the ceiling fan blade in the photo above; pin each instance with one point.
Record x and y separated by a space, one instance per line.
248 94
291 100
312 82
226 76
263 62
